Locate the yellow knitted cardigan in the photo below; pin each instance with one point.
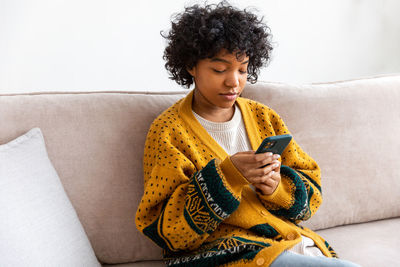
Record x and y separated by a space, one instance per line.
200 209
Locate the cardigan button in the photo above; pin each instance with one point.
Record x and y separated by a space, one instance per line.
291 236
260 261
264 213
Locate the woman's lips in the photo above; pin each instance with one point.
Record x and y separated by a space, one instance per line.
230 96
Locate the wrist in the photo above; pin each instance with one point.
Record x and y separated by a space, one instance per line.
266 190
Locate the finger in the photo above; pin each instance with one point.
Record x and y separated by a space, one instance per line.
263 156
251 164
271 158
262 179
275 180
276 156
267 169
265 189
276 165
272 179
264 163
272 182
243 160
251 158
259 180
256 161
268 158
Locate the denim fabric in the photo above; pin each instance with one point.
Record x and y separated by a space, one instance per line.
289 259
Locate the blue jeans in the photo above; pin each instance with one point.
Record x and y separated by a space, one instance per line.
288 259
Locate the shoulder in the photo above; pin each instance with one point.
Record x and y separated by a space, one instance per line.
257 109
266 121
168 117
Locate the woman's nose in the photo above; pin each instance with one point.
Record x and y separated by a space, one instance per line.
232 80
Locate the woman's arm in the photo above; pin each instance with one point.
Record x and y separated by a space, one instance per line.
182 206
298 195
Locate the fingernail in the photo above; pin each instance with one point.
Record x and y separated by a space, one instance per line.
276 165
277 156
269 154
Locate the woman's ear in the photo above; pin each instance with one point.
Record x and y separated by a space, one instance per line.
191 71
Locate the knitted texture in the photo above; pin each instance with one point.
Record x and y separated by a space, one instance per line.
200 209
265 230
230 135
208 202
218 252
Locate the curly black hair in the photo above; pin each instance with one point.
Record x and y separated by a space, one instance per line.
201 32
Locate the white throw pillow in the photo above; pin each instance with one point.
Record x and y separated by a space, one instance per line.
38 224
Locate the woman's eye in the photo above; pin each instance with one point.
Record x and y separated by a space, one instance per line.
222 71
218 71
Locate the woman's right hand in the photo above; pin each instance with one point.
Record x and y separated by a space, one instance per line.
251 167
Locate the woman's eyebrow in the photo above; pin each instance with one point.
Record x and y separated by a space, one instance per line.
217 59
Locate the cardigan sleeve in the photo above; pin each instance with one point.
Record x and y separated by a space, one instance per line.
298 195
181 206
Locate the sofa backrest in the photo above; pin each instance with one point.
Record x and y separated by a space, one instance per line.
95 142
352 129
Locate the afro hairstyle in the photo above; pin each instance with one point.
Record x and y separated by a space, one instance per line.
202 31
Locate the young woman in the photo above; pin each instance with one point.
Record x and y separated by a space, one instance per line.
208 200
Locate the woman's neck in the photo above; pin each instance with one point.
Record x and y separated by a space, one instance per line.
209 111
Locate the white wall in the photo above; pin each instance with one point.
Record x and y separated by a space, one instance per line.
71 45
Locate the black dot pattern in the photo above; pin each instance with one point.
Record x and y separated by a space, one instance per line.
174 153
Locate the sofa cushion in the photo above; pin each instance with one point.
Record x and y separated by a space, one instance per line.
38 225
369 244
96 143
352 130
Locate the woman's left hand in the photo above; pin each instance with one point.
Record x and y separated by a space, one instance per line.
268 183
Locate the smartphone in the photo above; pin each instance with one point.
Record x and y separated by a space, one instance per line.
275 144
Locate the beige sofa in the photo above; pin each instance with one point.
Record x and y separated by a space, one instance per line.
351 128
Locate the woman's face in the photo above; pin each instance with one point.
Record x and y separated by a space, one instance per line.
220 79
